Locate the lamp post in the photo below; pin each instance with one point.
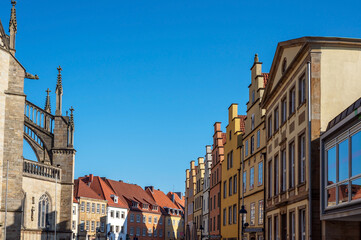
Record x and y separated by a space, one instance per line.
244 225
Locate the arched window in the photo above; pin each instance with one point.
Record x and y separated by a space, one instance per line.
44 208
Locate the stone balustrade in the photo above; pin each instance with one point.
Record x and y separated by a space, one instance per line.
42 170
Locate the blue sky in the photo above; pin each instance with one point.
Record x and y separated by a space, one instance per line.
148 79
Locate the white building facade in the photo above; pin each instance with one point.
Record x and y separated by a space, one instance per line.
75 219
116 222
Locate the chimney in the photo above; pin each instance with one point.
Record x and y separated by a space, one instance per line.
91 177
151 188
172 197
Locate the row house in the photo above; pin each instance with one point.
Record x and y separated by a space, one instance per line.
198 198
206 191
190 191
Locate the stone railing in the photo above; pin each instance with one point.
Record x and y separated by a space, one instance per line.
41 170
39 117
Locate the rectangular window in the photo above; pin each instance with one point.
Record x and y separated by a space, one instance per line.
117 229
122 229
230 215
253 214
284 110
82 225
293 226
252 122
251 178
123 215
98 208
149 232
269 126
276 231
246 148
103 208
258 138
270 179
93 207
93 226
302 158
155 232
231 159
150 219
160 220
270 235
87 225
155 220
138 218
138 231
224 189
276 178
82 206
112 214
132 217
210 204
117 214
102 227
356 154
276 119
292 101
73 225
284 170
230 189
260 173
301 90
235 214
87 207
302 224
260 212
131 232
244 181
160 233
291 151
224 217
235 184
252 144
144 232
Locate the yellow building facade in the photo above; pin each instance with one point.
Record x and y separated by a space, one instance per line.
173 227
254 145
230 175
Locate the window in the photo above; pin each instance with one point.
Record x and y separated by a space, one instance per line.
301 90
169 222
302 158
98 226
224 189
270 236
253 214
144 219
252 144
252 122
246 148
122 229
150 219
302 224
87 207
284 170
235 214
160 233
293 227
210 204
73 225
277 236
276 119
138 218
155 220
260 212
98 208
82 206
138 231
131 231
160 220
235 184
117 214
93 226
149 232
74 210
224 217
44 208
93 207
292 108
258 138
244 181
253 96
155 232
230 215
260 173
82 225
132 217
117 229
276 174
102 227
251 178
87 226
291 151
270 179
230 160
144 232
103 208
123 215
284 110
230 189
269 125
210 224
112 214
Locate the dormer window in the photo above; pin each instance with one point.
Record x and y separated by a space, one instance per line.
134 204
115 199
155 208
145 206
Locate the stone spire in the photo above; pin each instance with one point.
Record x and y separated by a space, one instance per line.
59 93
71 119
13 27
71 128
47 101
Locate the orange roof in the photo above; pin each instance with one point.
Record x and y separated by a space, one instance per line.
265 78
83 190
162 200
130 192
177 200
74 199
104 191
242 123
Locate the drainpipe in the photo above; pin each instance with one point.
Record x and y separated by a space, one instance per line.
309 151
239 186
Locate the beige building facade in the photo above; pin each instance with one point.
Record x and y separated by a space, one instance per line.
198 198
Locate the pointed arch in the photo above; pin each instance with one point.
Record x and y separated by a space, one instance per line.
44 211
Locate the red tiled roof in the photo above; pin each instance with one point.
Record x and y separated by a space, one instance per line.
265 79
130 192
83 190
224 138
74 199
242 122
161 199
177 200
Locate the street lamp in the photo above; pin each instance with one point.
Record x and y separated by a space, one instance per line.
244 225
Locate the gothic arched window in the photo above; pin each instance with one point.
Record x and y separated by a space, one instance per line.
44 207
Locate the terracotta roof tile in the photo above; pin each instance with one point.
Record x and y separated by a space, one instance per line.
180 202
265 79
83 190
162 200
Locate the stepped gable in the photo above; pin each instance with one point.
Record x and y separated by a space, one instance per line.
242 122
265 79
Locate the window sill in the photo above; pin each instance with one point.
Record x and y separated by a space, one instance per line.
299 106
291 115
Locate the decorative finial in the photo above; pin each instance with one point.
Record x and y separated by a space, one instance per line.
47 101
59 93
71 120
59 84
13 23
256 58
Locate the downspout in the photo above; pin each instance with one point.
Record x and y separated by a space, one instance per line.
239 187
309 151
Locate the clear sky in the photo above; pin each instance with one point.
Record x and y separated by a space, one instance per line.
148 78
